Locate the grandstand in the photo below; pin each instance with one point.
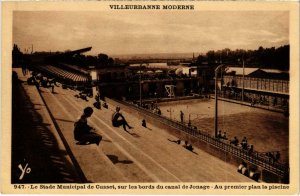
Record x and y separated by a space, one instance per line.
62 74
53 66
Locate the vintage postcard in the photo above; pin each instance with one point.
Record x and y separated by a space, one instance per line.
150 97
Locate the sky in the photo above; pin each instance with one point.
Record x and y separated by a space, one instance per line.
148 32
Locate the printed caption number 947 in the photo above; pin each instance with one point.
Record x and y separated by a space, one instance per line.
19 186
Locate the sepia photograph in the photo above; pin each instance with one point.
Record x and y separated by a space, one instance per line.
135 97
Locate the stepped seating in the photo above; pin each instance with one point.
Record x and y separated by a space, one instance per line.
62 74
134 157
74 67
91 161
255 158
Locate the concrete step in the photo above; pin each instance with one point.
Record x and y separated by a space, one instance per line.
48 157
93 162
114 148
175 158
153 156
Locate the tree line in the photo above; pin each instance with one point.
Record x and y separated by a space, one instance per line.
272 58
19 58
101 60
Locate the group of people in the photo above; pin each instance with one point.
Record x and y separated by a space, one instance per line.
39 80
157 110
84 94
261 100
85 134
244 144
243 169
273 156
186 144
222 136
150 106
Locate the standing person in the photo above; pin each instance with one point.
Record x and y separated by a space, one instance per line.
118 119
181 116
24 69
244 143
250 150
219 136
224 136
83 132
97 104
52 83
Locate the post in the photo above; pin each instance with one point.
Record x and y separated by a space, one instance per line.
216 103
94 83
243 80
216 100
140 85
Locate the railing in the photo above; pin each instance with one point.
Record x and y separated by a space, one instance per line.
259 84
254 157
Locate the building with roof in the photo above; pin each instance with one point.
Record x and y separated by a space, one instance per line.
268 86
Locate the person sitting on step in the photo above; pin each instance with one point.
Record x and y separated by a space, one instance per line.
83 132
144 123
118 119
105 105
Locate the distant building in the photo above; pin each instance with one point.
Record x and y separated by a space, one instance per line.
272 84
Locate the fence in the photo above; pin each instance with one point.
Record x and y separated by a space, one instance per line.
260 84
254 157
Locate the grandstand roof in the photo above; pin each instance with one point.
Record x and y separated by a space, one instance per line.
274 71
250 70
239 70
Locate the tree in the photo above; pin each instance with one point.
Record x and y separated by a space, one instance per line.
102 59
17 56
271 58
110 61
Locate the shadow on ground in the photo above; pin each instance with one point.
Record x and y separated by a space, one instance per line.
35 151
114 159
